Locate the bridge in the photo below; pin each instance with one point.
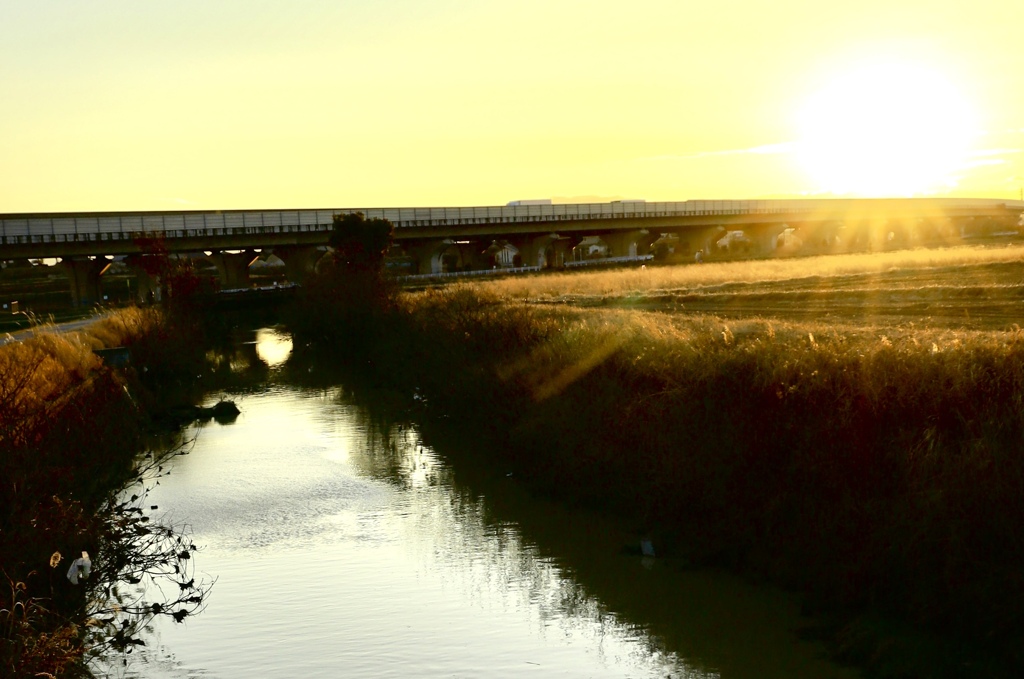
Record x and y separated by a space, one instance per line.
535 234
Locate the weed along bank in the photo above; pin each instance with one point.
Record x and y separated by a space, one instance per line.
420 556
77 453
494 478
857 459
415 555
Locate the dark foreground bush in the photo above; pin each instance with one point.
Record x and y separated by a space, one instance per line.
70 433
348 301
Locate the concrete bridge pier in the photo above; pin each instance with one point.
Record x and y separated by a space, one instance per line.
629 243
233 268
763 237
880 232
430 255
448 255
299 260
706 240
563 248
147 278
474 255
84 275
540 251
809 236
936 230
421 254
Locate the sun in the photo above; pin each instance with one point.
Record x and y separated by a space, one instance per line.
887 129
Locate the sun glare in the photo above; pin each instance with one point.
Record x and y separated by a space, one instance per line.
886 130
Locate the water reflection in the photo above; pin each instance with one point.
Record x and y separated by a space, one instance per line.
486 560
572 565
273 346
344 546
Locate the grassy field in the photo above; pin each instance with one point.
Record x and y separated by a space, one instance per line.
966 288
849 426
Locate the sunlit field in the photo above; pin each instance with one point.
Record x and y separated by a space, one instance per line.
844 425
962 288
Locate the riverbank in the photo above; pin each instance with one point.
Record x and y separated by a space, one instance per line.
872 468
70 430
868 464
420 557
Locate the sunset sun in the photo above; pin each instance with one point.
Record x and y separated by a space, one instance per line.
889 129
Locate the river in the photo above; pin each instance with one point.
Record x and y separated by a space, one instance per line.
341 553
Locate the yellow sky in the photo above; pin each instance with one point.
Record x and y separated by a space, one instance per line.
117 105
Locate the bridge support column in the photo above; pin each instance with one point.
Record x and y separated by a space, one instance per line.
563 248
629 243
423 253
443 256
763 237
540 251
147 278
418 256
233 268
706 240
476 256
84 275
299 261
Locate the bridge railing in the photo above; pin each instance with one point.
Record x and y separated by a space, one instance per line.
58 229
22 229
114 226
479 273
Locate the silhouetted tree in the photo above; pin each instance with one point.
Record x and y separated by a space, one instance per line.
350 294
182 284
361 243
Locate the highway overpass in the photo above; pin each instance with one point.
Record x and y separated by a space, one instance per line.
439 239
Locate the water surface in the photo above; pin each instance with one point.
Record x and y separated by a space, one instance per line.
341 553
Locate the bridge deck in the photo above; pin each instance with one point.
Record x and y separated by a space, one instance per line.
119 232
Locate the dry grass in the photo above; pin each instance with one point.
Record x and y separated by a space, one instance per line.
872 464
68 434
121 328
622 282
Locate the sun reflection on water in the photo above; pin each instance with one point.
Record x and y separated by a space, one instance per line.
342 549
273 346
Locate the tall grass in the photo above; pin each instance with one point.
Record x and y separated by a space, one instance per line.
667 278
873 470
69 432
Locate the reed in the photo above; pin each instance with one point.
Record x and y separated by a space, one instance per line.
619 282
70 429
874 468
